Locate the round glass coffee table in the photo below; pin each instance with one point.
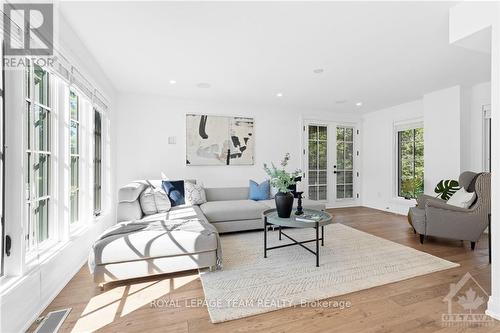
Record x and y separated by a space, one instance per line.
321 218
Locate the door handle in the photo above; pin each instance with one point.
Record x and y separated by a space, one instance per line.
8 245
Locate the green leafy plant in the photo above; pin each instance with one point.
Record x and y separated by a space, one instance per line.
412 187
446 188
280 178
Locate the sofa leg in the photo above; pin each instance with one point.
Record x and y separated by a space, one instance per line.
422 237
473 245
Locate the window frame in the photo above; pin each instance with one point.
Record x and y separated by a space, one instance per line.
97 208
72 190
343 169
398 160
313 188
33 197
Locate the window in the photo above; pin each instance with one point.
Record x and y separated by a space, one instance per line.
410 162
97 162
345 161
74 152
38 154
318 158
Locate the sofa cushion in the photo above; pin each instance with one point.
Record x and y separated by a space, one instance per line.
131 192
129 211
217 211
226 193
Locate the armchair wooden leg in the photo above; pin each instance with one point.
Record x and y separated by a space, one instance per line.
422 237
472 245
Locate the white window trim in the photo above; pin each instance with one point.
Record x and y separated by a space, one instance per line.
75 226
32 254
95 108
486 137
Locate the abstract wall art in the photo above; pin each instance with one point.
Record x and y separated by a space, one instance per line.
219 140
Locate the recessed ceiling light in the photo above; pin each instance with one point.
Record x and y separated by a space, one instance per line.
203 85
359 103
279 95
318 71
172 82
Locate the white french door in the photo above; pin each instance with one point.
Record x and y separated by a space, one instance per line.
330 163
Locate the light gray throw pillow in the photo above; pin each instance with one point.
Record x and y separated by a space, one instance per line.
154 200
194 194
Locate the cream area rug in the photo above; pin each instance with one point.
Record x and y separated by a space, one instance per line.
350 260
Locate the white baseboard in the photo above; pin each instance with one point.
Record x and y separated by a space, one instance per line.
493 308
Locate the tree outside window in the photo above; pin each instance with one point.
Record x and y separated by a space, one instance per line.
411 163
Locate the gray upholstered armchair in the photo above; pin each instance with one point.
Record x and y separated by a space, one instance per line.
434 217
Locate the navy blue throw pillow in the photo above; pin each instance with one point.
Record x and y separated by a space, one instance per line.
175 191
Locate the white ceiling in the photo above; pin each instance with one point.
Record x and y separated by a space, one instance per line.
380 53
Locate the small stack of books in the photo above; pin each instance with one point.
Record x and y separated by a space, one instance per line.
308 218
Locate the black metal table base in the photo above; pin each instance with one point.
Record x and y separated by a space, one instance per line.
295 242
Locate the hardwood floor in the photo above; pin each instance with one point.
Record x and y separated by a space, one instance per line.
414 305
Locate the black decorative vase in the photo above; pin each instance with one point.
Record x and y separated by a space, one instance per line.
284 204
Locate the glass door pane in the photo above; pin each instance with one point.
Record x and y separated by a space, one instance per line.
345 162
317 162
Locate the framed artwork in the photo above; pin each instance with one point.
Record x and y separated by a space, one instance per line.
219 140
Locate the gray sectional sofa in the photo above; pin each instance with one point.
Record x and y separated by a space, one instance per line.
184 238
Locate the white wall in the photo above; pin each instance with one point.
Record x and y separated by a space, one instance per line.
480 96
453 133
146 121
378 156
442 128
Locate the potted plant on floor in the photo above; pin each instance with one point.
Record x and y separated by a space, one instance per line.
282 180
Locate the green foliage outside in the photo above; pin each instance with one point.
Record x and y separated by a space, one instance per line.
280 178
411 162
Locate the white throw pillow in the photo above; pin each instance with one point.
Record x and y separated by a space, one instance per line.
194 194
154 200
462 198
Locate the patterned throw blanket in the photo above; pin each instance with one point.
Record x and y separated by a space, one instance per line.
159 223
